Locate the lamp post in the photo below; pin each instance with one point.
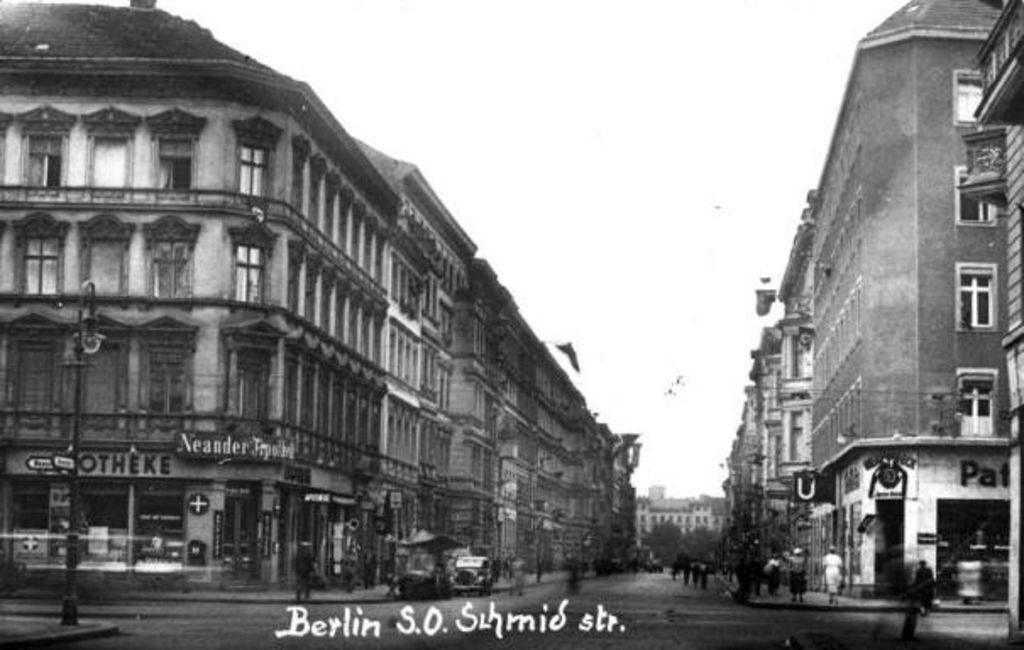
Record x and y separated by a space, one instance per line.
86 341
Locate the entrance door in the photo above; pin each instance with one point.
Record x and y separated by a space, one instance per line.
890 572
241 546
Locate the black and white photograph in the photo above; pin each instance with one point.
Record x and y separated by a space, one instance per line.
542 324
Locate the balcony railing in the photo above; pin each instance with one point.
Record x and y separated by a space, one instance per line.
112 198
986 166
1001 91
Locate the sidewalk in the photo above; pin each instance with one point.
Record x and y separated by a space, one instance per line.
259 596
34 631
818 601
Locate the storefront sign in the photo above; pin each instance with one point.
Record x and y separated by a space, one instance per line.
971 471
218 533
251 449
198 504
124 464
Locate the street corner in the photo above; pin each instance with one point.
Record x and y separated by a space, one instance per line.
32 632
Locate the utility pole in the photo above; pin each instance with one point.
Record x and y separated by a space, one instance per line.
86 341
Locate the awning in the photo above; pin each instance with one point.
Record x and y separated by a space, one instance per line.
328 497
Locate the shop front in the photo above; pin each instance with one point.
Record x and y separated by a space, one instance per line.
943 501
234 516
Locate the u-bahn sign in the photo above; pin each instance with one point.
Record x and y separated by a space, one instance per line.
812 487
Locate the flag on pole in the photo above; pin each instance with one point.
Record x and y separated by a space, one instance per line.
570 353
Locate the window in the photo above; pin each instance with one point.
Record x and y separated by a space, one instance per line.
253 170
175 160
975 405
171 242
977 285
249 274
968 95
37 375
105 241
167 381
109 162
45 160
172 270
253 375
968 210
42 261
106 380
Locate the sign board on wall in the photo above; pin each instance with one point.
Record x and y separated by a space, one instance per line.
114 464
218 533
252 449
812 487
890 475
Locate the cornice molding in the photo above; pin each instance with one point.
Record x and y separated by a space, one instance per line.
258 130
111 120
175 122
46 119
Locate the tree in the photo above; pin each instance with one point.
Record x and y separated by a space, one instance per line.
665 541
700 543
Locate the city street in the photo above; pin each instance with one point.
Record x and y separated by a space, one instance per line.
651 610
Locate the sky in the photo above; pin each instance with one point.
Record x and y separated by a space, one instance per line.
629 168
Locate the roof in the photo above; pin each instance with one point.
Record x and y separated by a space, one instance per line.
945 15
53 31
392 169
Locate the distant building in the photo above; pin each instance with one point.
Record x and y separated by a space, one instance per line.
687 514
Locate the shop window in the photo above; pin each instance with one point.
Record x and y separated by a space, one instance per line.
159 529
975 408
105 519
31 507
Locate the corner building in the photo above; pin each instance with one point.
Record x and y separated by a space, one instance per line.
238 241
908 310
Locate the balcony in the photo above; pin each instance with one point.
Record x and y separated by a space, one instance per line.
1003 78
192 201
986 166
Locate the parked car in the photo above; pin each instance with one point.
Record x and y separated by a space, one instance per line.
473 574
424 576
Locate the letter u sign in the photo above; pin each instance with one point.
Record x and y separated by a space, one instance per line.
805 486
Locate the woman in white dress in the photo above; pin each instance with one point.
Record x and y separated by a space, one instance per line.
833 575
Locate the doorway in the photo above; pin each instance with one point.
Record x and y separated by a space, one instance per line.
241 545
890 573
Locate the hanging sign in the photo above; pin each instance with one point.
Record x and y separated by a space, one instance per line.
812 487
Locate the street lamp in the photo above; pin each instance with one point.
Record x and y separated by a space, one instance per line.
86 341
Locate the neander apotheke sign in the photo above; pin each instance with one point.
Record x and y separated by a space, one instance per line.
227 446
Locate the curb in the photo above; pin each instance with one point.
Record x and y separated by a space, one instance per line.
813 607
96 631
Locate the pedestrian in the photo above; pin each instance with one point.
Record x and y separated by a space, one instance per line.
574 576
754 572
518 576
924 587
686 569
677 565
773 573
833 566
705 569
304 566
797 575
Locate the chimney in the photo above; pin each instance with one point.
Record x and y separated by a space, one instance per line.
143 4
